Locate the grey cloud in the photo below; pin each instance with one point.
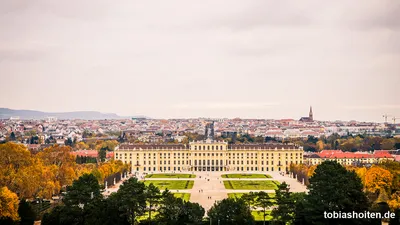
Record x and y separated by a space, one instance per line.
264 14
21 55
214 58
385 17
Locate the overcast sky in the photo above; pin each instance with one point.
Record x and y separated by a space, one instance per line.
174 59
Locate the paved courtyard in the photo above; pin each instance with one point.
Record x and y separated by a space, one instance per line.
210 184
209 187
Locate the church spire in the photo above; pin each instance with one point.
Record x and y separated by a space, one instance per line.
310 115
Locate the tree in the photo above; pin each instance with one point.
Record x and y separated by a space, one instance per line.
16 169
112 213
26 213
61 157
320 145
132 199
333 188
361 172
69 142
153 196
377 178
102 155
264 201
175 211
63 215
8 204
287 203
83 191
249 199
394 202
259 139
396 220
12 136
388 144
169 209
82 145
230 212
397 145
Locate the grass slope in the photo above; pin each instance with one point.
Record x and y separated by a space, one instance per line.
259 215
245 176
183 196
251 184
170 175
171 184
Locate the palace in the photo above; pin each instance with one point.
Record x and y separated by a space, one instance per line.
209 155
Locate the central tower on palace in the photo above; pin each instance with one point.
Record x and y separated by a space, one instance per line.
209 134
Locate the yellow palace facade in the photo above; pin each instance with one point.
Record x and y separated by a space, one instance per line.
209 155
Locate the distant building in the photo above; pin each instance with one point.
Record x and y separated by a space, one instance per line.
51 119
347 158
310 117
92 153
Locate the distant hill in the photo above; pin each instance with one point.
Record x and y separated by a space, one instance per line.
6 113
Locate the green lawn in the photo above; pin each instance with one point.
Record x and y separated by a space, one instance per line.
183 196
251 184
244 175
259 215
239 195
170 175
171 184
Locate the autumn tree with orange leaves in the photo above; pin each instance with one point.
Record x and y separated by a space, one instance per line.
61 157
8 204
377 178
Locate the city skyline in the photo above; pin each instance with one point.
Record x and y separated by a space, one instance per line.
33 114
179 59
